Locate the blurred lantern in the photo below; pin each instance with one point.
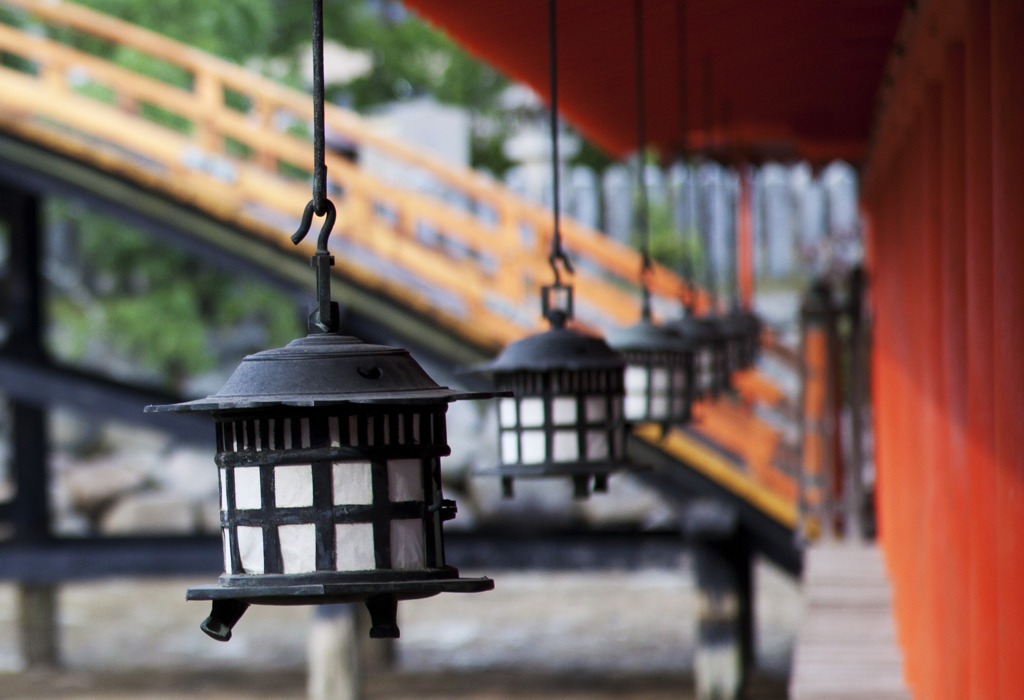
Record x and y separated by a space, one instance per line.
328 452
566 417
710 353
659 363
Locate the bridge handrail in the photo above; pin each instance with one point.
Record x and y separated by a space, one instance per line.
269 101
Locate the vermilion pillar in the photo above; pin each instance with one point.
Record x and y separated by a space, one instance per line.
1008 307
982 523
953 347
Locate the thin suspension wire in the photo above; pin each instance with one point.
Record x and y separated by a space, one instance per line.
642 215
319 144
557 253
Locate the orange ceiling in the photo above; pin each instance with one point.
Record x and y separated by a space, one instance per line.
779 79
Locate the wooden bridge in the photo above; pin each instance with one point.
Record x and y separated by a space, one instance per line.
222 157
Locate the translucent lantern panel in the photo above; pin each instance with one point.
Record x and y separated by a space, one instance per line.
597 445
659 406
534 450
659 380
507 413
247 488
227 551
353 483
596 409
636 379
354 547
250 547
566 446
636 406
407 549
678 381
531 412
293 486
298 548
563 410
223 489
404 481
509 447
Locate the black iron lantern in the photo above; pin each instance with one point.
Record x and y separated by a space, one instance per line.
710 359
566 416
659 377
659 363
743 330
328 453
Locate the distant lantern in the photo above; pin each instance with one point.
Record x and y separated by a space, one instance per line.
566 417
705 337
659 374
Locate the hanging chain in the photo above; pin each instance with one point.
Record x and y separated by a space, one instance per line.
557 253
325 317
642 214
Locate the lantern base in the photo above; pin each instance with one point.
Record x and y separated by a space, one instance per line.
381 598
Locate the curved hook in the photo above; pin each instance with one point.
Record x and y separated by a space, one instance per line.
553 259
331 214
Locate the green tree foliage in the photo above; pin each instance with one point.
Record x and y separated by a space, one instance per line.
156 310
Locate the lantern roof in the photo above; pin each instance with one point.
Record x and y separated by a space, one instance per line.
555 349
645 335
325 369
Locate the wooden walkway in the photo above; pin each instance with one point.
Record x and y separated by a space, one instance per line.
846 648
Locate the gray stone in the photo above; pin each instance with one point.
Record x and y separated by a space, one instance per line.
151 512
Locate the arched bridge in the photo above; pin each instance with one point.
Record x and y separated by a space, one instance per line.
220 159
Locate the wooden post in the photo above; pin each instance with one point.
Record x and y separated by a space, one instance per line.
333 663
725 636
37 603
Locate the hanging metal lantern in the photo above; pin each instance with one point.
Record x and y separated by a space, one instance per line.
329 457
328 452
659 378
710 364
566 416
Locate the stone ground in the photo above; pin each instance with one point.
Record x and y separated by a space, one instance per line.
537 635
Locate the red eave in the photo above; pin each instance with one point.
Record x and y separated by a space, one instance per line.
764 78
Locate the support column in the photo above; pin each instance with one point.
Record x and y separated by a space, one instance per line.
30 512
725 629
982 525
1008 310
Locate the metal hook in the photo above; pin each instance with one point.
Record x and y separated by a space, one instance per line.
331 214
324 319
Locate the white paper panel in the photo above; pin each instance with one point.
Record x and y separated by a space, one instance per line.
595 408
636 406
298 548
563 410
258 429
332 429
566 446
404 482
659 406
678 381
353 483
353 431
247 488
509 447
227 550
293 486
286 429
223 489
304 430
354 547
533 446
416 420
531 412
659 380
250 547
271 445
407 550
636 379
507 413
597 445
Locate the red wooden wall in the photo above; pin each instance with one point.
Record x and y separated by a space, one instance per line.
944 201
